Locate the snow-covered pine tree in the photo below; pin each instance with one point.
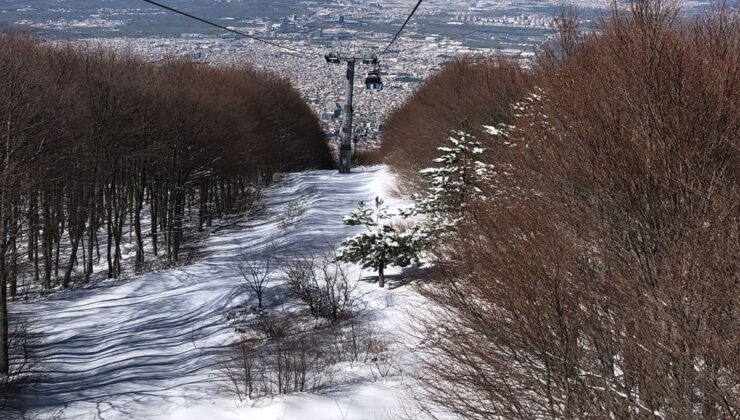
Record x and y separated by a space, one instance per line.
382 245
458 178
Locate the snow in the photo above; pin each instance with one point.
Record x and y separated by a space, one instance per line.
150 346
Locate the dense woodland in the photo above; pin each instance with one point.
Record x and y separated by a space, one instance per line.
101 150
586 267
470 91
598 276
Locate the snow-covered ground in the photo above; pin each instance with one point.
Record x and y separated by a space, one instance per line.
150 346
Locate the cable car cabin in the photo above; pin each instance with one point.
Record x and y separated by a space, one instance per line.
332 58
373 81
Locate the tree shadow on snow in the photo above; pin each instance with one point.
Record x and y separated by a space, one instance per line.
406 277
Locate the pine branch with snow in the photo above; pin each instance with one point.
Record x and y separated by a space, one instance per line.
382 245
459 177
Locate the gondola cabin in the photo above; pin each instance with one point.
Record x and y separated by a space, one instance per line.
373 80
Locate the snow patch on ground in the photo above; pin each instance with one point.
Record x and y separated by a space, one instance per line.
150 347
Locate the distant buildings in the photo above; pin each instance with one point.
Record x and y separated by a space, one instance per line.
338 33
407 63
332 112
524 19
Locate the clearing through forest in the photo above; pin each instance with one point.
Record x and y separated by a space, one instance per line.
150 346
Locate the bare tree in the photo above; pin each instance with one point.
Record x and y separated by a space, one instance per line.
323 284
602 279
256 270
90 138
482 89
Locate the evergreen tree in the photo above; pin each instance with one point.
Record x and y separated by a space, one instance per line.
382 245
458 178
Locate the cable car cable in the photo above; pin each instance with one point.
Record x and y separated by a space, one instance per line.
225 28
402 27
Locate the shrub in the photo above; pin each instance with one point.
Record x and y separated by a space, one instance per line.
256 270
281 356
323 285
370 156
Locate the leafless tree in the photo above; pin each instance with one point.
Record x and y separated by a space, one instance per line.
474 88
601 278
256 269
323 284
91 141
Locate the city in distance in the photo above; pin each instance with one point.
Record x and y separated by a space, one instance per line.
440 31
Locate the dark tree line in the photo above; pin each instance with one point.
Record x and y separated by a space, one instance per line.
102 149
599 279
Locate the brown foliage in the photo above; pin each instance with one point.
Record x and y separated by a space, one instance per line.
368 157
601 279
89 138
472 90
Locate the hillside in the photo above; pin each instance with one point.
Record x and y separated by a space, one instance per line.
554 238
151 346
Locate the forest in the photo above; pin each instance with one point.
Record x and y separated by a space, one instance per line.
595 273
556 238
111 164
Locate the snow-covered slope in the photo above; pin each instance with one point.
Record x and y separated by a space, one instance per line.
149 347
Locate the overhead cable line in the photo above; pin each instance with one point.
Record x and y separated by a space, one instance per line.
225 28
408 19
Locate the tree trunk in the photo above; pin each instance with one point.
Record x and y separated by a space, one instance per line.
72 259
153 209
138 206
47 242
381 276
13 245
4 359
109 231
36 271
203 213
59 230
32 218
92 232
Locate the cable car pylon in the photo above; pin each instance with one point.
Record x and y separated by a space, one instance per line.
373 82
